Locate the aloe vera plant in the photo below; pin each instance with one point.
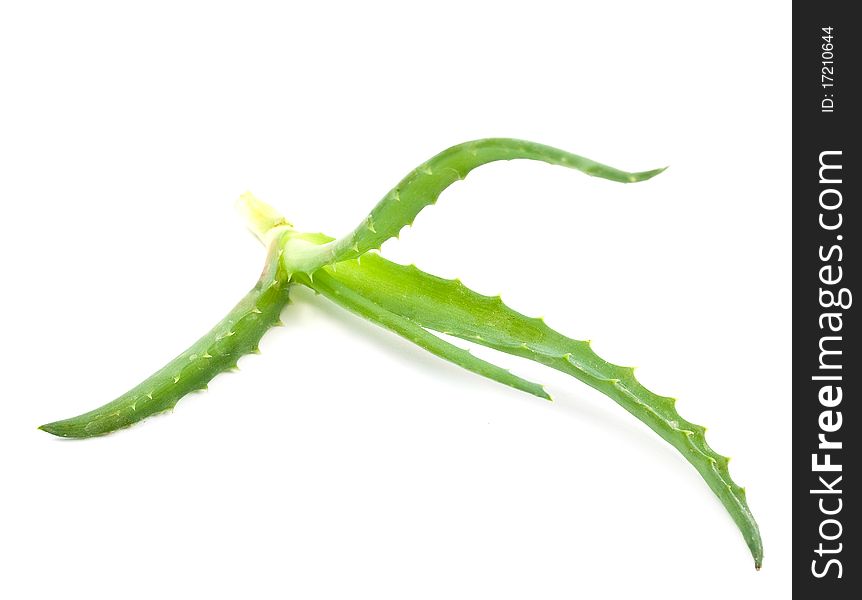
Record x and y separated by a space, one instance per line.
414 304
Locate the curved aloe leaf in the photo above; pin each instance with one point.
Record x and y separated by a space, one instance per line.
424 184
450 307
329 286
238 334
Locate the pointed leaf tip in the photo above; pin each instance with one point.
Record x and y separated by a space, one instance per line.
53 429
645 175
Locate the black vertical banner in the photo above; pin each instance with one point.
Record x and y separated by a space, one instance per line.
827 368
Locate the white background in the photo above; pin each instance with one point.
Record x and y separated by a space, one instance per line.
344 462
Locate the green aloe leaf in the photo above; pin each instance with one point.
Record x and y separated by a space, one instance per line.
236 335
447 306
424 184
329 286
